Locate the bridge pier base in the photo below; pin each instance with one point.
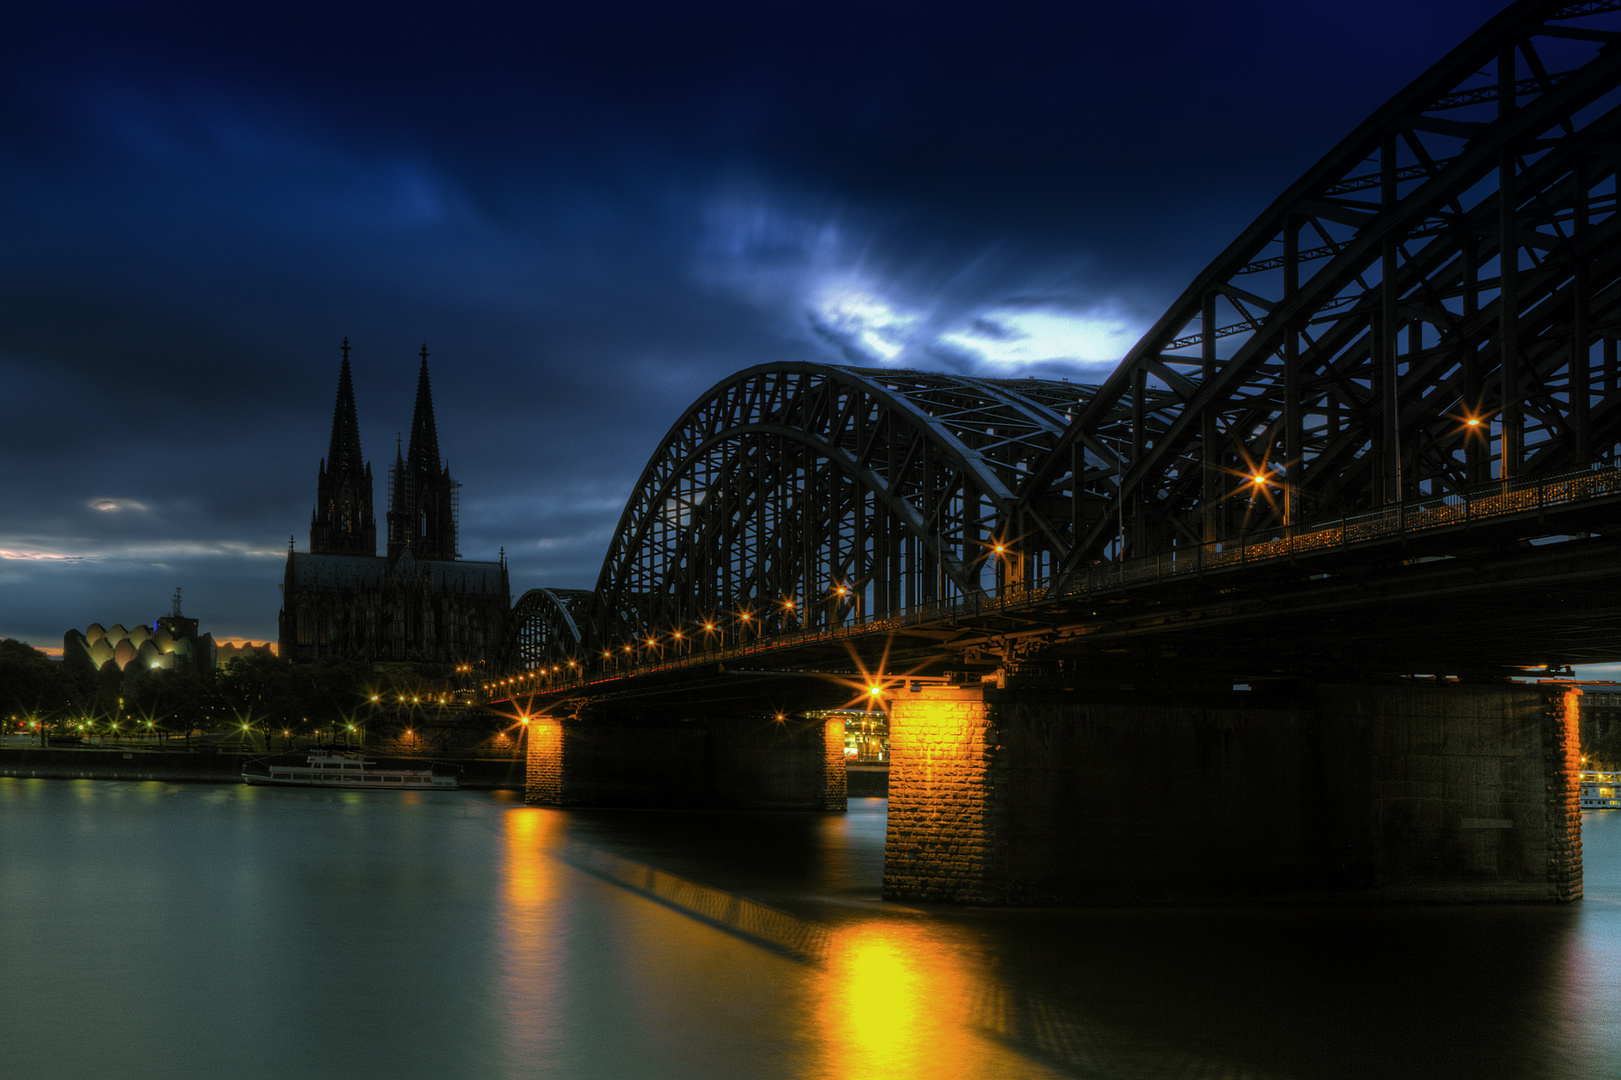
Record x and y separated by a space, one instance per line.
1389 792
653 760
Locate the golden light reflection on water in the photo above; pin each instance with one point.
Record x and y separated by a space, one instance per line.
896 1002
528 937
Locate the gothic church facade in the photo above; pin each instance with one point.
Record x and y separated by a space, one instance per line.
420 601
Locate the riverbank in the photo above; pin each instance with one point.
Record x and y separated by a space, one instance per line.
209 766
216 766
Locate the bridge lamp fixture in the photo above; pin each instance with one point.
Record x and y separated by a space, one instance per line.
781 718
676 634
875 691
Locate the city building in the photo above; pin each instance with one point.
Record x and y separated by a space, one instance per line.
1600 712
420 601
172 642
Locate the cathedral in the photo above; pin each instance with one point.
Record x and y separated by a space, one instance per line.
418 602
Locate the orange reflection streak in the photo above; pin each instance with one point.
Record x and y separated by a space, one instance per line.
529 940
894 1003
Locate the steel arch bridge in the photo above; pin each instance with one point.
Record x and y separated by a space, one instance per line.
1429 314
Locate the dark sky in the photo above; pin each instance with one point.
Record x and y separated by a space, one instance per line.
590 213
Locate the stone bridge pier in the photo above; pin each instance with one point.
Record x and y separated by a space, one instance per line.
1397 792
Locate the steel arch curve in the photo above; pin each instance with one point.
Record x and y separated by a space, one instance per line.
1366 340
802 494
545 628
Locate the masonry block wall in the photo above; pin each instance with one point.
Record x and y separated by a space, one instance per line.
1407 791
1474 790
835 777
942 748
746 762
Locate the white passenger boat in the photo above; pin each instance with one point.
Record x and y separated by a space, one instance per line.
1601 791
335 769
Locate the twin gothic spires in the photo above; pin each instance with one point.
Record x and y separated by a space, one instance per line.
421 494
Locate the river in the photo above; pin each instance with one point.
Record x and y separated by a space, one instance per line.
196 930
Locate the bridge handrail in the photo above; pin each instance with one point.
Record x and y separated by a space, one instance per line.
1485 502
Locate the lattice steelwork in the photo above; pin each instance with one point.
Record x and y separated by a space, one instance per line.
802 495
1434 307
546 628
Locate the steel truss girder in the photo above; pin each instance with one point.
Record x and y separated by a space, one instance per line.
788 482
1318 397
545 628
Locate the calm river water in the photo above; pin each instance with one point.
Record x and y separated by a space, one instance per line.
169 930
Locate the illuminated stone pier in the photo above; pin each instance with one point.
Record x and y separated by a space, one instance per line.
1414 791
652 760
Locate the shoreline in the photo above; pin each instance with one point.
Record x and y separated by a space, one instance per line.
225 767
209 766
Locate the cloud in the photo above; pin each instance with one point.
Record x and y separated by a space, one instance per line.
140 551
24 555
113 506
1010 336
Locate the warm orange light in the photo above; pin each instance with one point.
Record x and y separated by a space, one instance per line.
875 690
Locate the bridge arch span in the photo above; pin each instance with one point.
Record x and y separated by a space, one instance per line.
799 495
545 628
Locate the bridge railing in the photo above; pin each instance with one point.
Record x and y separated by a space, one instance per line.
1485 503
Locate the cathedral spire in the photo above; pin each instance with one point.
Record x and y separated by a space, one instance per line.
422 496
343 522
344 454
423 455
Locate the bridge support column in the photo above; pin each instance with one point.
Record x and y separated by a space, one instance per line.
1413 791
669 761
